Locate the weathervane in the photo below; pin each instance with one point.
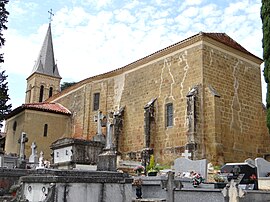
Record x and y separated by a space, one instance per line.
51 14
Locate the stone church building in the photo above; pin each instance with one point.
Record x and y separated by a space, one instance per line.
202 94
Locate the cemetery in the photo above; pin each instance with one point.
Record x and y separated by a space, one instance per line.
113 155
91 171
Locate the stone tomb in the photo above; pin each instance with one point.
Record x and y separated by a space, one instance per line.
69 185
182 165
69 153
263 173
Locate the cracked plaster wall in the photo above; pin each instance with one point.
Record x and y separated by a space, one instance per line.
238 129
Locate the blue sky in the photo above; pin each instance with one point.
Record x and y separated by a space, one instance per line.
95 36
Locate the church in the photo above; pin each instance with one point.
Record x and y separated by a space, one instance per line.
202 94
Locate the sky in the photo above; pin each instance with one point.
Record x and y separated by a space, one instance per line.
91 37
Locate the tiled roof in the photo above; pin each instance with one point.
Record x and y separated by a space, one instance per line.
225 39
42 106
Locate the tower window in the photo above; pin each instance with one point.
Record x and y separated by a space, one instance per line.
14 126
169 115
50 92
41 93
96 101
45 132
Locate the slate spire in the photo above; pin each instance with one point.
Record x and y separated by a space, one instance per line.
45 63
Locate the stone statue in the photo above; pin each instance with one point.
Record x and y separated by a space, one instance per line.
118 124
148 117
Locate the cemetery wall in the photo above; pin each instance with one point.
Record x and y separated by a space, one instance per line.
58 126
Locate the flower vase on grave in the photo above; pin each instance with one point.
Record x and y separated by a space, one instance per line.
138 184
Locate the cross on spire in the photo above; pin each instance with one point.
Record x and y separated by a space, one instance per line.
51 14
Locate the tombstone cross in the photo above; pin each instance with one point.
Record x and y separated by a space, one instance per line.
170 184
186 154
23 139
33 157
109 134
99 119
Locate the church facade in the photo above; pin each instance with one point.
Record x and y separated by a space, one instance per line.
202 94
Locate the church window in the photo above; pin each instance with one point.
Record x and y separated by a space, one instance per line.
96 101
50 92
45 132
169 115
41 93
14 125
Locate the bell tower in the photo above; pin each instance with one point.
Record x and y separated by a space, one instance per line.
44 81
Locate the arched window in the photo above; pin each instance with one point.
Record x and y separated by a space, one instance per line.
45 132
14 126
41 93
51 91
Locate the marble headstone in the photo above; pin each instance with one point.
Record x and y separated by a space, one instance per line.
186 165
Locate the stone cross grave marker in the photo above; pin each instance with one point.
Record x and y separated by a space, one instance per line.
186 154
170 184
33 157
99 118
186 165
110 123
23 139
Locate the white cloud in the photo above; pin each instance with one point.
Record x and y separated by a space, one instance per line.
88 42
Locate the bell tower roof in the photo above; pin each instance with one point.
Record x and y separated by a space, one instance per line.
45 63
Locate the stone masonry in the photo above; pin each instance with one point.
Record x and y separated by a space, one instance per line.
225 121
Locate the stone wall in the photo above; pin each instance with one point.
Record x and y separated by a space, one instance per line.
32 123
34 83
229 118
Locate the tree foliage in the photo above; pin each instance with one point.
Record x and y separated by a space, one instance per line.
265 16
3 20
4 97
66 85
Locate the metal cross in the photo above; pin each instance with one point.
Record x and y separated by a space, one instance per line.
51 14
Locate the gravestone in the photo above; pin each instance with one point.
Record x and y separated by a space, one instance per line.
245 170
33 157
186 165
22 140
107 160
170 184
263 173
99 137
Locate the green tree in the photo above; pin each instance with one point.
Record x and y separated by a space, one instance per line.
4 97
265 16
66 85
